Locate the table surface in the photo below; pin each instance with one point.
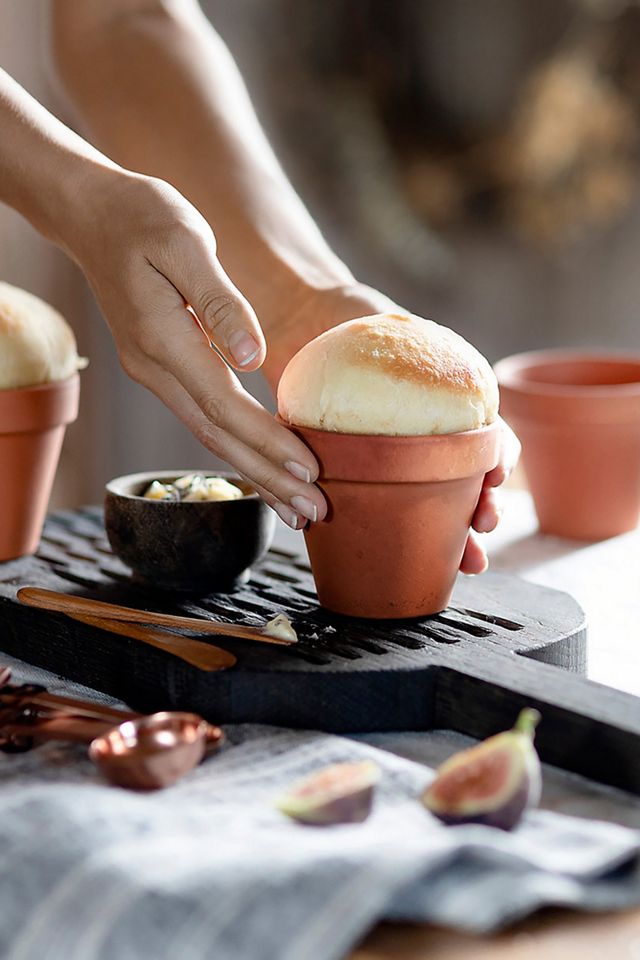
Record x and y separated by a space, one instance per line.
604 578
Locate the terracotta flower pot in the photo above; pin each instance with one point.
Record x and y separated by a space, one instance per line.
577 414
400 509
32 426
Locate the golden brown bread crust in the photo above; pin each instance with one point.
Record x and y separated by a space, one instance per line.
397 345
389 374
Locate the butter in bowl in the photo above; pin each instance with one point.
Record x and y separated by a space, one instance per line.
186 530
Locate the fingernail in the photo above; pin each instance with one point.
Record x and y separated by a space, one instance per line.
287 514
298 471
306 507
243 347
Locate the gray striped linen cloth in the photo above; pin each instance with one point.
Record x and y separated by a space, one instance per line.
210 869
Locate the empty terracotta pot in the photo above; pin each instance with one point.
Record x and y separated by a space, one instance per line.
577 414
32 425
400 509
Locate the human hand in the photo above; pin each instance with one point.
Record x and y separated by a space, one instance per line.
489 508
147 254
308 314
325 309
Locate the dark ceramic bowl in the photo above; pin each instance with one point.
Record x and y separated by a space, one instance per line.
199 546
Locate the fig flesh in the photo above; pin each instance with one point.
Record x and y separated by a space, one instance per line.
492 783
340 793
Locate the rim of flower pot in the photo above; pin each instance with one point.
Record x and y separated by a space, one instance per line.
529 372
39 407
574 385
370 458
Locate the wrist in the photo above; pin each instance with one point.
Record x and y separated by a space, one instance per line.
43 164
323 306
295 290
314 310
76 206
57 194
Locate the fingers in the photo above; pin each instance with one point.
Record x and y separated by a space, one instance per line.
227 318
509 456
172 356
286 513
227 406
489 508
474 559
488 511
300 498
294 499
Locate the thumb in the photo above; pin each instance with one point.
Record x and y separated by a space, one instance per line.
226 317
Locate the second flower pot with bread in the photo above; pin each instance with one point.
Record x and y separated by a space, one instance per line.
33 421
39 396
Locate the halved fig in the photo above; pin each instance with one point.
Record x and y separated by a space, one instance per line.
340 793
493 783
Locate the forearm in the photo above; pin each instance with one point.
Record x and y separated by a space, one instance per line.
44 166
161 93
147 252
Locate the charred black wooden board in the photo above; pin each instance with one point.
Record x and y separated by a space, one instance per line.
471 669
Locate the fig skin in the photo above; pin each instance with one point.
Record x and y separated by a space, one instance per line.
505 808
340 793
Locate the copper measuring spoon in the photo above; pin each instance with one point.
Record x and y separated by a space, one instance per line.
154 751
28 712
141 752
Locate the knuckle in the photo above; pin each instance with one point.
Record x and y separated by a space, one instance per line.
201 233
177 225
182 230
210 437
264 494
131 365
214 408
263 446
147 340
267 478
216 311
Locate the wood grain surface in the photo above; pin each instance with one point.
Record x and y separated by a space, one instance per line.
470 669
550 935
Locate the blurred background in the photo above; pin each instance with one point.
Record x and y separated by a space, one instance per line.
478 162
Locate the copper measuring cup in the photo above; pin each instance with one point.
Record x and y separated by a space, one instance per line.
154 751
139 752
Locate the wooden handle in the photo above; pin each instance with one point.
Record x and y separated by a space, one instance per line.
202 655
71 605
